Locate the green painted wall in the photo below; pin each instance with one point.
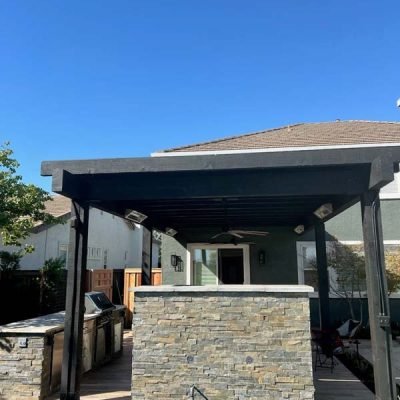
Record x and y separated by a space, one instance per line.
170 246
280 265
280 246
347 226
281 259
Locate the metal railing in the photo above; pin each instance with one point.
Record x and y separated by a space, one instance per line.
192 392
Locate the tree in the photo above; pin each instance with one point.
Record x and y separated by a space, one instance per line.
21 205
392 260
348 279
51 281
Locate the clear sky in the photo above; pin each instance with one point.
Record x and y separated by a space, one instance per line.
100 79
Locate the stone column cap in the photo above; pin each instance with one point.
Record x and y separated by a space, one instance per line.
224 288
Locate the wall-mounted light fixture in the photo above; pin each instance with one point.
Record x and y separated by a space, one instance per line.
261 257
324 210
177 263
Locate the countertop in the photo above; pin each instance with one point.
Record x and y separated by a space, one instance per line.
45 324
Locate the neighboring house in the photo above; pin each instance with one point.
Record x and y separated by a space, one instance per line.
114 242
283 247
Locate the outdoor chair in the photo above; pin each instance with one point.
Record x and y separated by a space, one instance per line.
326 343
349 331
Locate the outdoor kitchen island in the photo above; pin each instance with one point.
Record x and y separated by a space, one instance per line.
31 351
230 341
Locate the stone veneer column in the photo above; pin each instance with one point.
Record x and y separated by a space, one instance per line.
232 342
24 372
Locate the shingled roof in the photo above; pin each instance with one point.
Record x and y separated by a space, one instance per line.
59 207
326 134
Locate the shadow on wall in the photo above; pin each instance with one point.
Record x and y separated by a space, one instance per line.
6 344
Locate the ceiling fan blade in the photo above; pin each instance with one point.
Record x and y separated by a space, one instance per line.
218 234
254 233
236 234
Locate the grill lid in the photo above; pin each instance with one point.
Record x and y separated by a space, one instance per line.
97 302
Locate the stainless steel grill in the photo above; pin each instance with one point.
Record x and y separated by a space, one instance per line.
97 303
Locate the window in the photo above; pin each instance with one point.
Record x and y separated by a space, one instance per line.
306 255
344 281
63 252
94 253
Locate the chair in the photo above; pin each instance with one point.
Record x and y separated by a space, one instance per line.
325 345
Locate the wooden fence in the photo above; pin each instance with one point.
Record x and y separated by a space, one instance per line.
20 295
133 278
100 280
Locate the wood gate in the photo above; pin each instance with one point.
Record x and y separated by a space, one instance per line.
133 278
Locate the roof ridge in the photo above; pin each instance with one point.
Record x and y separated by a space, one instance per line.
224 139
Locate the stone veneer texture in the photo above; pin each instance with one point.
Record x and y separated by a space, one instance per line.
231 345
24 372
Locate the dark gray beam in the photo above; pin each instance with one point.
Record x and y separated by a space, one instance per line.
378 302
147 244
73 328
381 173
63 178
281 159
323 276
350 181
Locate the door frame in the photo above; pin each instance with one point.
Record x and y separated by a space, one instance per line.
246 259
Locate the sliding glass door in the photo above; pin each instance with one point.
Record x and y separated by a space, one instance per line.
218 265
205 267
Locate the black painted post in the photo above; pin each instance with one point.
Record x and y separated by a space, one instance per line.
74 311
378 301
147 245
323 276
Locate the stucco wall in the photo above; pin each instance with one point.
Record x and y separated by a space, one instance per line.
170 246
231 344
108 232
280 265
347 225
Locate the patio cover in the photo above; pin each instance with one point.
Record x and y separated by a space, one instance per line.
240 190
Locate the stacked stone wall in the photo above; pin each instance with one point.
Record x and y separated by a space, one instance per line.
230 345
24 371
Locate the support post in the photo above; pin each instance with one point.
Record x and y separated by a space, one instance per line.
378 301
74 308
323 276
147 246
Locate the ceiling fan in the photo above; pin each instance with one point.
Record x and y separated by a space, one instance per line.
235 233
239 233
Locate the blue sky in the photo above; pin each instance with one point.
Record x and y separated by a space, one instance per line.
101 79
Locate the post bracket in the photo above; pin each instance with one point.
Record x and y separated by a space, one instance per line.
384 321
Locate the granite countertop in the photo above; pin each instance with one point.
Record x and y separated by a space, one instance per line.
225 288
45 324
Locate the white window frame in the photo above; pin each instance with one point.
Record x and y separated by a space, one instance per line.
246 259
63 247
95 253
